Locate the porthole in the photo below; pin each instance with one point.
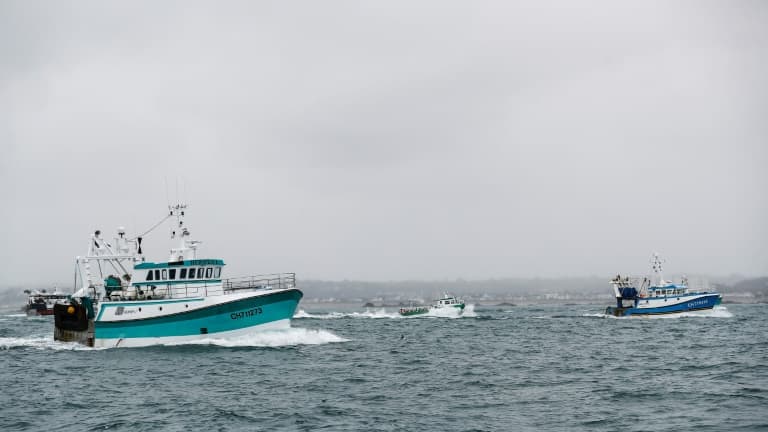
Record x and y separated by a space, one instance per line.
139 309
161 308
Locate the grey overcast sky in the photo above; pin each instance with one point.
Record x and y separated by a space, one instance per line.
389 139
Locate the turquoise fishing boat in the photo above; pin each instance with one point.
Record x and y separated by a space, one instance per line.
125 301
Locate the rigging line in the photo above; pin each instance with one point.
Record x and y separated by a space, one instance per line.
101 273
168 200
153 227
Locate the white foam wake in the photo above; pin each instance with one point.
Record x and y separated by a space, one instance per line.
272 338
40 342
716 312
469 311
304 314
375 313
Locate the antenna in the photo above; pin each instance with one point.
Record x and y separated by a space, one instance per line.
186 193
167 199
656 265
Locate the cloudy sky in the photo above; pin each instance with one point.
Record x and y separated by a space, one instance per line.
389 140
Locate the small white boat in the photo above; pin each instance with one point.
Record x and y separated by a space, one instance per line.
656 296
125 301
445 302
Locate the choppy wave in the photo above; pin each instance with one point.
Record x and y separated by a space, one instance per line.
535 368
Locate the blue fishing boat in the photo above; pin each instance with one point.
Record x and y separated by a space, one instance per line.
656 296
125 301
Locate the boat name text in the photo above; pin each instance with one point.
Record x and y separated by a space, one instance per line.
245 314
695 303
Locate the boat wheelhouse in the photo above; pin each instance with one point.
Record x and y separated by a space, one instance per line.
124 300
656 296
159 280
448 301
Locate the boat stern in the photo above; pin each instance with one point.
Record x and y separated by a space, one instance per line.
72 324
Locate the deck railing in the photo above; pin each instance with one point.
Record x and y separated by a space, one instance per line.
270 281
206 289
227 286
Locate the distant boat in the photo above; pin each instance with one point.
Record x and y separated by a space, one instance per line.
642 296
181 300
445 302
42 302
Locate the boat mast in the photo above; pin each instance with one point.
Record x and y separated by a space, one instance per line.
187 249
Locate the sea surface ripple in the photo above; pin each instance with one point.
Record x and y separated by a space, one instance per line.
532 368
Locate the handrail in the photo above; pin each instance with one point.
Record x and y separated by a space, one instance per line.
226 286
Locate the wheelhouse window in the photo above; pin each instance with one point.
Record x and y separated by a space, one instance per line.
149 275
164 273
183 274
157 274
171 273
217 272
200 273
191 273
208 272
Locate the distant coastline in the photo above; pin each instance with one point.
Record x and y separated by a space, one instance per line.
492 292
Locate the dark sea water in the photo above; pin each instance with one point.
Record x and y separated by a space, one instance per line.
534 368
